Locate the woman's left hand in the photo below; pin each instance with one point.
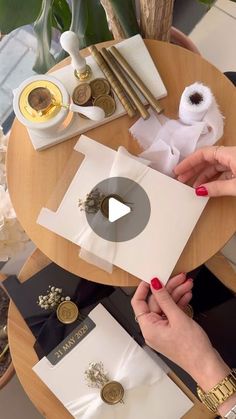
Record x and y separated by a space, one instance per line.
180 289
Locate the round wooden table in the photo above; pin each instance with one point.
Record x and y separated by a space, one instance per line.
24 358
32 175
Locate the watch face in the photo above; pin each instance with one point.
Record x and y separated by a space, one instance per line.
231 414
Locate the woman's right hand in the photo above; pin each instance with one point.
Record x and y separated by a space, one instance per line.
213 169
176 336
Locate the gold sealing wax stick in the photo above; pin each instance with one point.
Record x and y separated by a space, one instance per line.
115 84
136 80
126 85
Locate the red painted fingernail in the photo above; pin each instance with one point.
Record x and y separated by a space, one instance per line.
201 191
156 284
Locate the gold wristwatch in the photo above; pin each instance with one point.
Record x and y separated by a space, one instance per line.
220 393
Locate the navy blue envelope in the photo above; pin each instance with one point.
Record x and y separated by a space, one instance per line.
44 325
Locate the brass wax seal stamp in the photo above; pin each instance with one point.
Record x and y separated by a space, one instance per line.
100 87
67 312
84 75
112 392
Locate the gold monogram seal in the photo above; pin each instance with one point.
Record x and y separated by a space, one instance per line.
112 393
67 312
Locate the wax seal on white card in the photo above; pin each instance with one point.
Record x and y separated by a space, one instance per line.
124 210
67 312
112 392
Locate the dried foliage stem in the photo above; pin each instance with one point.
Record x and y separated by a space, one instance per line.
113 22
156 18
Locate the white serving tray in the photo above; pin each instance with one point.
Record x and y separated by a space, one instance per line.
136 53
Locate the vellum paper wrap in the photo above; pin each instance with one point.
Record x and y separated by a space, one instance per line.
148 390
86 239
175 210
167 141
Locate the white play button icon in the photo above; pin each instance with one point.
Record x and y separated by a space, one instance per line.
116 210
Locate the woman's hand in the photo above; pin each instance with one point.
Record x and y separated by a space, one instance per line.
180 289
176 336
213 170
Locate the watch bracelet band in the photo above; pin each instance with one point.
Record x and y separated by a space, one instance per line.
231 414
220 393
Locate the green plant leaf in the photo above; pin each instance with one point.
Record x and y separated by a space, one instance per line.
207 2
125 11
16 13
89 22
43 30
61 15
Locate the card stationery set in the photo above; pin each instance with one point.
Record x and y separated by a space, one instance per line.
87 359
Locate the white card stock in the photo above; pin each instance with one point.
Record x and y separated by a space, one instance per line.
175 210
148 390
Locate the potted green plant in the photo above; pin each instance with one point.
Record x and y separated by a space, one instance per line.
117 19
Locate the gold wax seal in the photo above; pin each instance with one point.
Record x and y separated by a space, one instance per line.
67 312
112 392
104 205
107 103
100 87
82 94
40 99
189 311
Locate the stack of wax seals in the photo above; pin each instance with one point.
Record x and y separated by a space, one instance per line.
98 93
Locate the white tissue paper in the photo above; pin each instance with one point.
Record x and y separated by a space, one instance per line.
166 141
148 389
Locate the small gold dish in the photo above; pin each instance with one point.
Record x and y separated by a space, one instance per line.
40 101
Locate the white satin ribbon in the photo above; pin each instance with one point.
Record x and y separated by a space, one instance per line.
166 141
132 372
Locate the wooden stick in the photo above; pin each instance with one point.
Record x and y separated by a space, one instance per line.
126 85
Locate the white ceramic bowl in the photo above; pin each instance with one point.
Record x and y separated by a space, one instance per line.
52 124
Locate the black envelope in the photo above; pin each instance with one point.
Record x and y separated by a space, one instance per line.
45 326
